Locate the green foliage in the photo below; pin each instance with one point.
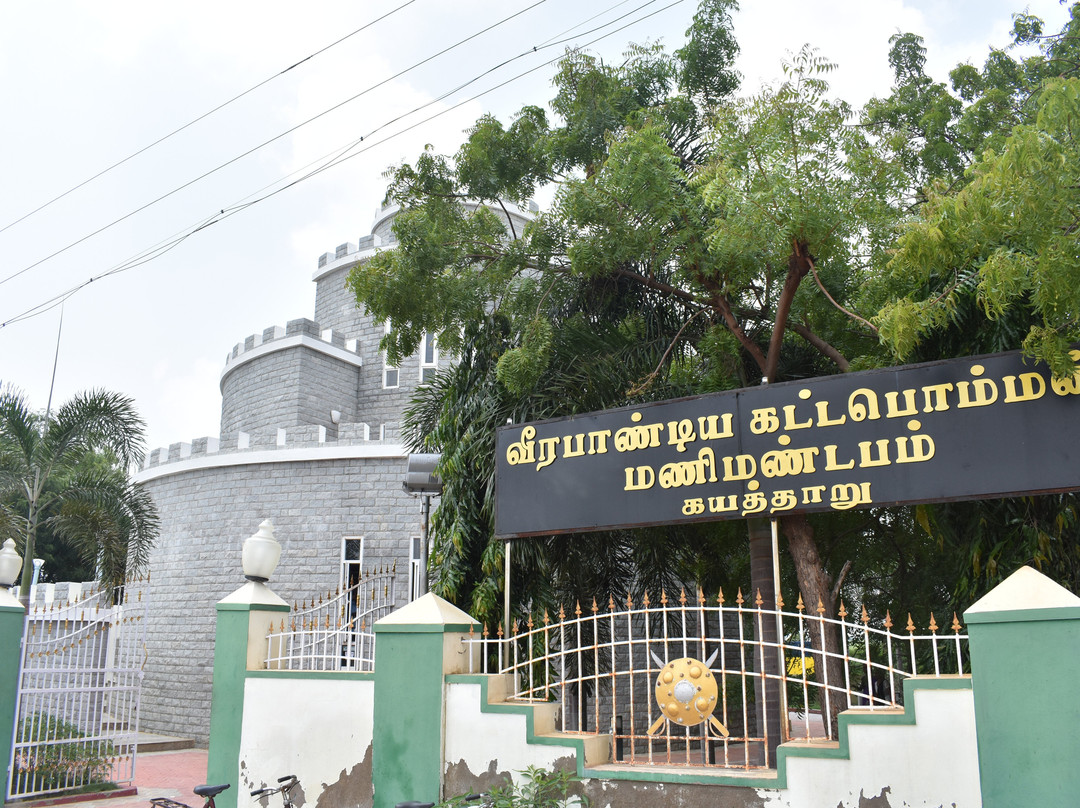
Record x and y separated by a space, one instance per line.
986 264
789 169
519 368
65 475
581 311
539 789
494 163
985 542
709 54
1009 237
670 263
53 765
935 134
697 243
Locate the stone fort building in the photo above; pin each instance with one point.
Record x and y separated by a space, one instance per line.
310 438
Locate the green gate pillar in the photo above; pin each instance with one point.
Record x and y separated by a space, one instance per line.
1025 658
416 646
244 619
12 619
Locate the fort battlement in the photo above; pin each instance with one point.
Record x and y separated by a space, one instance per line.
294 328
307 436
383 236
350 250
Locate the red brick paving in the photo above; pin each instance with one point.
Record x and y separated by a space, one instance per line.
180 771
157 774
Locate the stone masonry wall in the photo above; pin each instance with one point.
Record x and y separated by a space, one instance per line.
375 403
289 386
335 306
207 514
326 384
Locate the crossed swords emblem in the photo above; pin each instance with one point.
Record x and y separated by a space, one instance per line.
686 692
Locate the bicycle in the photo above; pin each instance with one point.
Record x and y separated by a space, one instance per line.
206 792
285 785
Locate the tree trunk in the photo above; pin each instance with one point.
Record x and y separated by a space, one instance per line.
28 556
816 588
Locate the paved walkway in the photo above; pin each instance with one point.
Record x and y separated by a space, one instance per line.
157 774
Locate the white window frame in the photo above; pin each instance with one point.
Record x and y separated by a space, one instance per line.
415 572
343 573
388 368
428 345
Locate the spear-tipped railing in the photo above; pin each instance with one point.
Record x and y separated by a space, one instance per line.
679 681
335 632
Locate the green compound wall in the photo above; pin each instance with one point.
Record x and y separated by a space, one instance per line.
1025 661
12 619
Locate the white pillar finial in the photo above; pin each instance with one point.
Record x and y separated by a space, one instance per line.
10 564
261 553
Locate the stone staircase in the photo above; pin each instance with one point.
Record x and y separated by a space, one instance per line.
147 741
596 749
152 742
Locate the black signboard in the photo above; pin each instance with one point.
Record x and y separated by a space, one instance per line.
986 426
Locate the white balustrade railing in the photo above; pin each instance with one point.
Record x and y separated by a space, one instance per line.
337 632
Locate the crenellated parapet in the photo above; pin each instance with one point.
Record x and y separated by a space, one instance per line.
350 251
290 376
513 214
307 436
294 328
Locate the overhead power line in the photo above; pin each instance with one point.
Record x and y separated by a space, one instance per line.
265 143
342 154
205 115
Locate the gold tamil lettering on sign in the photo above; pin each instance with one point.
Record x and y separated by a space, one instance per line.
639 478
522 451
708 430
845 496
690 472
1071 386
1032 387
641 436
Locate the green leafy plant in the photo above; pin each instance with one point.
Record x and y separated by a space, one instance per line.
67 759
539 789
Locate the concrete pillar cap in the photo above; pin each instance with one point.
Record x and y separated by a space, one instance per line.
1025 589
427 610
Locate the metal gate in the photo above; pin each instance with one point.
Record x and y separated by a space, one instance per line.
77 713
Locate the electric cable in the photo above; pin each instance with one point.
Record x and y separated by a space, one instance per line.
265 143
332 159
207 114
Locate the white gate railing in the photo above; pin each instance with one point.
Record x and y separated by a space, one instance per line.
337 633
690 681
77 710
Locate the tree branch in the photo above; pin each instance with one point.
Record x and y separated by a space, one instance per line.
509 221
648 380
824 291
840 580
659 286
823 347
798 265
720 303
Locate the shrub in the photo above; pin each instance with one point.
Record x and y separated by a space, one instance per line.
60 757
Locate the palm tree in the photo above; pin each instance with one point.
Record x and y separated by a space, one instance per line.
53 465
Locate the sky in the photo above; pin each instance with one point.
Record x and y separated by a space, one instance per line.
86 85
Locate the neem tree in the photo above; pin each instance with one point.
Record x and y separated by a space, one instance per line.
989 261
696 243
700 253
